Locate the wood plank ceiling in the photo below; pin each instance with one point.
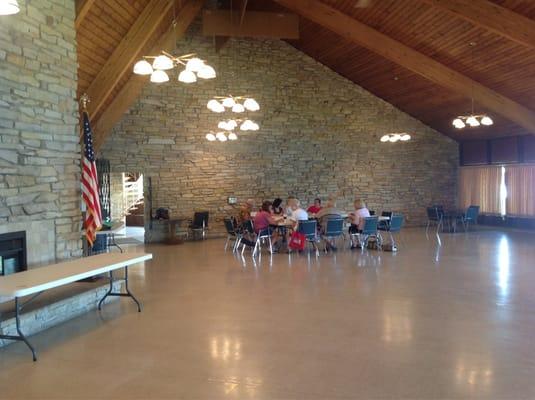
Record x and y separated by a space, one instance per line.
497 62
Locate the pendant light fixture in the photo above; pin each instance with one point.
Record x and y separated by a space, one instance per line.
194 67
472 120
9 7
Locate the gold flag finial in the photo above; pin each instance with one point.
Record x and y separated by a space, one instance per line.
84 100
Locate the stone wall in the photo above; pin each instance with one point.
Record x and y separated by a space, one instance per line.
39 150
319 135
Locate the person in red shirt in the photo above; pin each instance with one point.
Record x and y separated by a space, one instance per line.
315 208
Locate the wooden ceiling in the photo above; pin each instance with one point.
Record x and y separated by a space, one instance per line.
500 67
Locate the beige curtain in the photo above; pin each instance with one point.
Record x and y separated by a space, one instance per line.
480 186
520 183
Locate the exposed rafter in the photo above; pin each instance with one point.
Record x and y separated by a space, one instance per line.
126 53
493 17
82 8
133 87
411 59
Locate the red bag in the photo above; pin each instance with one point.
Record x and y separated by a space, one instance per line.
297 241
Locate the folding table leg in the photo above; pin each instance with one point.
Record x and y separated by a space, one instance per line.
20 337
128 293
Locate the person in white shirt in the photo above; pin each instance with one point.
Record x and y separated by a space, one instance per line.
298 214
357 219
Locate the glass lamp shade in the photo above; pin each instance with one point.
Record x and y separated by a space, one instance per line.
143 67
231 124
206 72
9 7
385 138
162 62
459 125
251 105
232 136
221 136
238 108
405 137
215 106
394 138
472 121
246 125
457 121
159 76
487 121
187 76
210 137
195 64
228 102
254 126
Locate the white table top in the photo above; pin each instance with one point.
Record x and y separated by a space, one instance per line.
51 276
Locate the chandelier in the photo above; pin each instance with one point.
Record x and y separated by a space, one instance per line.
9 7
237 104
245 125
194 68
394 137
472 120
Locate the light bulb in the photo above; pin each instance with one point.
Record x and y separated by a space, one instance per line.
162 62
487 121
251 105
206 72
404 137
195 64
159 76
143 67
187 76
472 121
385 138
211 137
232 136
228 102
238 108
9 7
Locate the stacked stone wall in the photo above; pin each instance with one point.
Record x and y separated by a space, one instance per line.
39 142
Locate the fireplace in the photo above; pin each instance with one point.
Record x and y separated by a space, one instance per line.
12 252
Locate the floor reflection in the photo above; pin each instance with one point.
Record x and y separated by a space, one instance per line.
397 321
503 272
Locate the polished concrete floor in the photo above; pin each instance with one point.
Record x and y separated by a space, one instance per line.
448 321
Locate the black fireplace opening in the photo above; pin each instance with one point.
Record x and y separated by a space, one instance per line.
12 253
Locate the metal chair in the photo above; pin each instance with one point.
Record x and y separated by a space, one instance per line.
232 234
434 216
333 230
394 226
471 215
199 223
310 230
261 238
368 231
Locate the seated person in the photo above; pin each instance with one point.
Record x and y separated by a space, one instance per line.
245 211
298 214
277 207
316 207
357 218
326 213
264 218
288 209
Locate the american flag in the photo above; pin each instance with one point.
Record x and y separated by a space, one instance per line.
93 215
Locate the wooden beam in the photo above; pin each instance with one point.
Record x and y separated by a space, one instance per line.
257 24
414 61
492 17
82 8
126 53
133 87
